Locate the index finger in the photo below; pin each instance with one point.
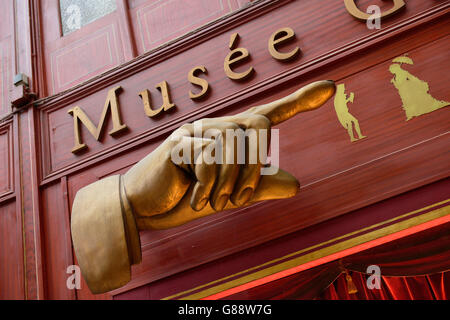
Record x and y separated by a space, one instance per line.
310 97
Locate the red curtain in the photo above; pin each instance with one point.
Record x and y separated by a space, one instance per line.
423 253
413 267
429 287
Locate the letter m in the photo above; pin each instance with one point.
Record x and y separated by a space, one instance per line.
78 115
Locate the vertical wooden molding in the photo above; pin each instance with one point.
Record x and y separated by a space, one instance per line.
22 44
27 156
29 205
127 35
7 128
68 239
18 199
39 85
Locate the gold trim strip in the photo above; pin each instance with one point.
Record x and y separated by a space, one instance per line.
318 253
324 252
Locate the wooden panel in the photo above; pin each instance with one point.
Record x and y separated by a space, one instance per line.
319 45
156 22
11 253
56 241
6 160
5 74
6 57
28 202
82 54
82 59
337 176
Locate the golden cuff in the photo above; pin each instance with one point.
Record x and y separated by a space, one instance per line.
104 234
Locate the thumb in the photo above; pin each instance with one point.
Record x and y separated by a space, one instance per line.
278 186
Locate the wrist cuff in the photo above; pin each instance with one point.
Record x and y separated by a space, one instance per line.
104 235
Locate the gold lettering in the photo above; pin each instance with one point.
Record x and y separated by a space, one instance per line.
279 37
79 116
233 38
358 14
192 78
235 56
163 87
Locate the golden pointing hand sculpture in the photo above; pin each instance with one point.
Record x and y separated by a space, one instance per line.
157 193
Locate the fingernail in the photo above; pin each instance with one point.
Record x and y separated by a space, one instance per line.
245 196
221 202
200 204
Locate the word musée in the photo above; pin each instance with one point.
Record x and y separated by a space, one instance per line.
235 57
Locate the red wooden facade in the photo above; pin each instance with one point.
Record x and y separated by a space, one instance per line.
401 168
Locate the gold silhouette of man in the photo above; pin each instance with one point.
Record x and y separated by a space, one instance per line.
413 91
346 119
